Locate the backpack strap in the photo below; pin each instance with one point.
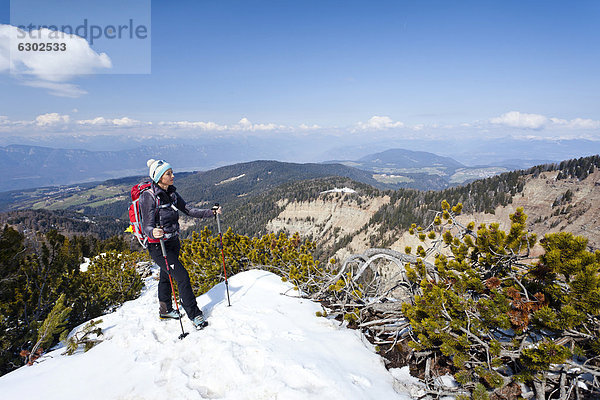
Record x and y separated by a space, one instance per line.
170 204
157 206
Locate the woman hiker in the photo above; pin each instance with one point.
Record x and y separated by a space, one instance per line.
159 209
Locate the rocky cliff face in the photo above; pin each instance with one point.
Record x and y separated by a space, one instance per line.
329 218
552 206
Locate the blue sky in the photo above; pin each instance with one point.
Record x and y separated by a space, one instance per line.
433 68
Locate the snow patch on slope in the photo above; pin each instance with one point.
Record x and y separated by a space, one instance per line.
85 265
342 190
235 178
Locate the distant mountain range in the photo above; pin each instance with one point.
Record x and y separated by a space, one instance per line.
422 170
34 166
402 160
26 166
222 184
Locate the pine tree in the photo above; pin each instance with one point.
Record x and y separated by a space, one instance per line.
83 338
53 325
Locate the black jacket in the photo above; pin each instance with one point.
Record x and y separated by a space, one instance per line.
160 208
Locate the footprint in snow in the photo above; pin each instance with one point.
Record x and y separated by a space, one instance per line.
360 381
296 336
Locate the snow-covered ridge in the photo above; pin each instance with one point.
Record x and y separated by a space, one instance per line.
267 345
342 190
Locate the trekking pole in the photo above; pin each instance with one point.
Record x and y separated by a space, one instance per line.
164 252
215 208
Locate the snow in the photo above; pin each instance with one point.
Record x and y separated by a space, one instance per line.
85 265
235 178
267 345
342 190
447 381
582 385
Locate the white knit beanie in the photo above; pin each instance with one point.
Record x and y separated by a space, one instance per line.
157 168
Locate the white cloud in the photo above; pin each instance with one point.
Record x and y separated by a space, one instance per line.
125 121
95 121
379 126
60 89
377 122
5 122
584 123
244 124
577 123
49 69
56 66
558 121
306 127
8 124
51 119
204 126
117 122
516 119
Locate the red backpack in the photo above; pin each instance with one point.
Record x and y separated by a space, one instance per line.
135 219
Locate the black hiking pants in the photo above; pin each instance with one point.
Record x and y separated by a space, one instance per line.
179 274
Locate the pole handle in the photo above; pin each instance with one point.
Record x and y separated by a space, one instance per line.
162 244
162 247
215 208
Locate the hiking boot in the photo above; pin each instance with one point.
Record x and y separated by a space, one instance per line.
199 321
173 314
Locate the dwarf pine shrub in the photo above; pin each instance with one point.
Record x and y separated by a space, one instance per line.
288 256
492 306
111 280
